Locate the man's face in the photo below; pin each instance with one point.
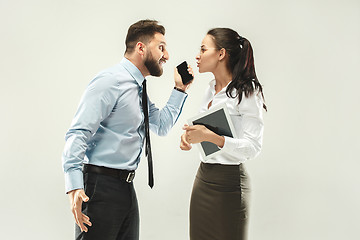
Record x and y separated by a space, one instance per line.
156 55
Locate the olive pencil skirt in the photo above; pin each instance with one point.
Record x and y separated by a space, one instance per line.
220 203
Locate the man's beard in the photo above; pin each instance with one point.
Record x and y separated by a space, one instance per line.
153 66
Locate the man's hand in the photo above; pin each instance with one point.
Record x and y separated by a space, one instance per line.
78 196
178 82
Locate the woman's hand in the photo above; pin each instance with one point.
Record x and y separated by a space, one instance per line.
199 133
178 82
184 144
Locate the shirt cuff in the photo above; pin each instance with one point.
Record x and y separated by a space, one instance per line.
73 180
177 98
230 144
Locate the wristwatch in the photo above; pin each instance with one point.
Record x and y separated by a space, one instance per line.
180 90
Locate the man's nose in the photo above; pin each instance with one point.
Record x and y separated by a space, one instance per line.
166 55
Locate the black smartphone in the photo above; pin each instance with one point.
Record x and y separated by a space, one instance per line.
186 77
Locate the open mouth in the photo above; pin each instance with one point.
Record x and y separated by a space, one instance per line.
162 62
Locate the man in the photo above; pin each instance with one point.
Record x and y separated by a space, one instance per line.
105 140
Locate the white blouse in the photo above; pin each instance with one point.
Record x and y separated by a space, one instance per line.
247 118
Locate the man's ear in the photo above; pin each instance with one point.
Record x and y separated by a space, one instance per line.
140 48
222 54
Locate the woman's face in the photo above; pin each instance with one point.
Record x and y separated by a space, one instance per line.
208 57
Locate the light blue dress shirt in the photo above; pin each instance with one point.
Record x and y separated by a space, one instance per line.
108 127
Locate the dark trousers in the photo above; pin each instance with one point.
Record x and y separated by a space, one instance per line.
112 209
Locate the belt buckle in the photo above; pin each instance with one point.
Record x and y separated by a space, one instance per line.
130 177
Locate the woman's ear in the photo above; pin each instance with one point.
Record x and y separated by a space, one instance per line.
222 54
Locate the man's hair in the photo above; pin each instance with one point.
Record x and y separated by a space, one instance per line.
142 31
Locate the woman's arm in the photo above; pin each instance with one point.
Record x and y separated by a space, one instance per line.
248 144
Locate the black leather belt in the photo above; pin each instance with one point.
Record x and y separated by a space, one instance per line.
125 175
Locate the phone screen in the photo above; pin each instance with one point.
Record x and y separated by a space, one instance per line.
186 77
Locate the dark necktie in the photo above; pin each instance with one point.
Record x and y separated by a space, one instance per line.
147 135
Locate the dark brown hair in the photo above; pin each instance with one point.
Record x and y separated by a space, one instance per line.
142 31
240 63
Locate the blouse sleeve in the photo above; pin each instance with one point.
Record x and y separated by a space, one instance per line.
248 144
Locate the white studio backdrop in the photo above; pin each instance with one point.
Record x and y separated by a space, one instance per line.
305 182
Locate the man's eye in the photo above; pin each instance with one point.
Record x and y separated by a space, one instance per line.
161 48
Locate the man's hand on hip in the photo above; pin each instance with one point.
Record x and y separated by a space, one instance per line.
78 196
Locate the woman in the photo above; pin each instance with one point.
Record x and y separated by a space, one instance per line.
220 198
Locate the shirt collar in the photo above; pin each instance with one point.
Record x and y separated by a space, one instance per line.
133 70
212 84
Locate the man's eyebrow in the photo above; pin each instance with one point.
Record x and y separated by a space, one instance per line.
164 43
